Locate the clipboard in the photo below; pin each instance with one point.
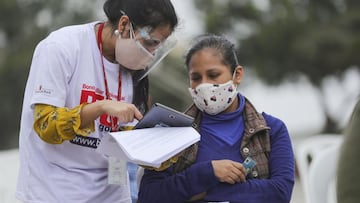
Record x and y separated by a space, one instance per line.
164 116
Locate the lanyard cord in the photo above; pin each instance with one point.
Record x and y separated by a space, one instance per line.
114 123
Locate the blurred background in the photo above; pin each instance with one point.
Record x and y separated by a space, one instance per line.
301 58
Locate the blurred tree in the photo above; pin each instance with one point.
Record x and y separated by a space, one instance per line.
283 40
23 23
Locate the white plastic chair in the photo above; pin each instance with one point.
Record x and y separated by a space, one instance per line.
307 151
322 175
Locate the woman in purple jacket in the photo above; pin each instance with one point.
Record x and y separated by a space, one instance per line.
232 131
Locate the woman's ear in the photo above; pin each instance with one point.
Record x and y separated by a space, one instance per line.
238 74
124 26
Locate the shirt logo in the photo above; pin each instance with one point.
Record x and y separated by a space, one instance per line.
42 90
86 141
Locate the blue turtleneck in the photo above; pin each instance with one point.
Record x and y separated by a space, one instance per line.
221 134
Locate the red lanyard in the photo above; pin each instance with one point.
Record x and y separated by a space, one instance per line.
114 123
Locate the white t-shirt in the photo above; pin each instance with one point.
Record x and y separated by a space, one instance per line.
66 70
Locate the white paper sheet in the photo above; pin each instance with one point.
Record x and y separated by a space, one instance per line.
149 146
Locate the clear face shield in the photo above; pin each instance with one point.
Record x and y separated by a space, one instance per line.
159 49
142 52
159 53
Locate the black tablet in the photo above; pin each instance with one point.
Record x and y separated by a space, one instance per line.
161 115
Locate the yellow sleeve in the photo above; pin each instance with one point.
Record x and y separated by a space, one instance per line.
166 164
54 125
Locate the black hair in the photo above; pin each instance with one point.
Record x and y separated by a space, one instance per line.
142 13
220 44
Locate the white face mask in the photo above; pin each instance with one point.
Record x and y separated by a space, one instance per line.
131 54
213 98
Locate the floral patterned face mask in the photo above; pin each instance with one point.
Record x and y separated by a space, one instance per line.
213 98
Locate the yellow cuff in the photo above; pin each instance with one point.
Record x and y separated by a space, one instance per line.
69 122
164 165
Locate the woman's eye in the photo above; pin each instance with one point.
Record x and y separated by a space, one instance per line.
195 79
213 76
151 43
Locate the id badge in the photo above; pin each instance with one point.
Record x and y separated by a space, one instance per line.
117 171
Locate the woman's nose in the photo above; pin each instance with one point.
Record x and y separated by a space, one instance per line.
204 80
152 50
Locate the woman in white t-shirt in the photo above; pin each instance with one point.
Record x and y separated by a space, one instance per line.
86 80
